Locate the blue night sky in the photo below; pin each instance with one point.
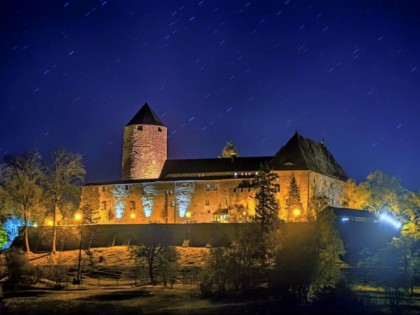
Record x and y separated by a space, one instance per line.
73 73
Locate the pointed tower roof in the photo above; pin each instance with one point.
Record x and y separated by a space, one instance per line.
301 153
145 116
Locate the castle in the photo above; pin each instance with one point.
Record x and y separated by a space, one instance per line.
154 189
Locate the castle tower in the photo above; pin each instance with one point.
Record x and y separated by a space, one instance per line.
145 146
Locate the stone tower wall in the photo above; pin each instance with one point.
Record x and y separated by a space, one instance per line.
144 151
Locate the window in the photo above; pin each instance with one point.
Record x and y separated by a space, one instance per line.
216 187
208 187
227 201
208 211
126 187
173 203
140 128
207 202
132 205
235 174
104 205
234 190
103 188
159 129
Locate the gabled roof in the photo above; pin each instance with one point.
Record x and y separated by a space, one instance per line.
216 165
305 154
145 116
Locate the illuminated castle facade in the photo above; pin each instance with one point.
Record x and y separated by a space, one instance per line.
156 189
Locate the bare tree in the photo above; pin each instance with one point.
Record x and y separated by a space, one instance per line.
64 171
22 186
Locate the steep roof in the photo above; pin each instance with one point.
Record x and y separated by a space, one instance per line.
301 153
146 116
217 165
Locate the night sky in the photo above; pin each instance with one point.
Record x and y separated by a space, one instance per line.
73 73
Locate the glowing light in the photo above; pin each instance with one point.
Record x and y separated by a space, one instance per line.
11 226
183 195
132 215
120 196
148 198
188 214
35 224
78 216
50 222
296 212
390 220
344 219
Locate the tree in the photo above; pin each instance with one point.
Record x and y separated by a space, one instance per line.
294 205
150 255
229 150
267 208
168 265
240 266
64 171
237 214
386 192
308 259
411 216
23 187
4 237
330 249
355 196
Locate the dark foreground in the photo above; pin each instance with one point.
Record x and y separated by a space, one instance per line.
184 300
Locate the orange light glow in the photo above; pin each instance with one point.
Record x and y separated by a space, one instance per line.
50 222
78 217
296 212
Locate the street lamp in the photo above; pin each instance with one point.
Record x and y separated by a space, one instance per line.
78 218
167 193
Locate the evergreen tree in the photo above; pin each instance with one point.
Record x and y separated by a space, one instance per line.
294 205
267 207
229 150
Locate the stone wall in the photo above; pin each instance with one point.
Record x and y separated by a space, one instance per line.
144 151
169 201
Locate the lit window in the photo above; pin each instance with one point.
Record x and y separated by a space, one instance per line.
173 203
208 187
207 202
235 174
133 205
216 187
